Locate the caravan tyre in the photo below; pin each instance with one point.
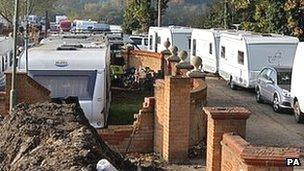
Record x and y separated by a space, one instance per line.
231 84
298 114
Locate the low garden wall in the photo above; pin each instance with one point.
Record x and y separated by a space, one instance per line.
138 58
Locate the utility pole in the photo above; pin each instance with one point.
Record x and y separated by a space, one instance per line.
225 14
13 92
26 37
159 13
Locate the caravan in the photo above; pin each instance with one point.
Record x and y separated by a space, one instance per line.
205 44
6 53
244 54
178 36
74 66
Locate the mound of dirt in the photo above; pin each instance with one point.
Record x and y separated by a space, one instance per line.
49 136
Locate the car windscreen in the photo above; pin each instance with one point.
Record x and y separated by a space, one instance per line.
284 78
137 41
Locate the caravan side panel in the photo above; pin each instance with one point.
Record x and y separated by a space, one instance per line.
205 46
233 61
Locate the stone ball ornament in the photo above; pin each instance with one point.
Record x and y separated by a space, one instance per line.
196 72
173 57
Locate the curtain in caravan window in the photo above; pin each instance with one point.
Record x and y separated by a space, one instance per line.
65 86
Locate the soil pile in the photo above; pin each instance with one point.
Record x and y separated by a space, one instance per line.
49 136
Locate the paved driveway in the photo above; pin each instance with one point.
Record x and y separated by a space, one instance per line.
264 127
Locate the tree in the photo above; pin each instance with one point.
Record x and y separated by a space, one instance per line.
141 14
30 6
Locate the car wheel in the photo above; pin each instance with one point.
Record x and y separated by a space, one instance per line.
258 96
276 104
231 84
298 114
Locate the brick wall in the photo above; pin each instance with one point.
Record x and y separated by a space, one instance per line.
173 119
221 121
133 138
138 58
237 154
159 116
28 91
198 126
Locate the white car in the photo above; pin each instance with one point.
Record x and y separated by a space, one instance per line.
297 83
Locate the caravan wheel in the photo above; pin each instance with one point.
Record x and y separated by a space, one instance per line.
231 84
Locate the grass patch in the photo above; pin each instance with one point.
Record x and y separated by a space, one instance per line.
124 105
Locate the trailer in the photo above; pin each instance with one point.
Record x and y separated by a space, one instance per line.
178 36
205 44
244 54
81 26
74 65
6 54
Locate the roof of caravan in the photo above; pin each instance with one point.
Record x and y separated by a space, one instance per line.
215 31
92 56
259 38
6 45
174 29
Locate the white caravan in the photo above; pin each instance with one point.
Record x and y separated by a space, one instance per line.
74 66
84 26
205 44
178 36
6 52
297 83
244 54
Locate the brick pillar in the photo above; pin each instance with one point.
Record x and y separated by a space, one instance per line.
221 121
174 120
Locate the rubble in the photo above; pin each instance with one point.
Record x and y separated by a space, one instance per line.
49 136
148 161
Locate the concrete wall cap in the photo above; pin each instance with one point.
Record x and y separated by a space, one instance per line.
227 112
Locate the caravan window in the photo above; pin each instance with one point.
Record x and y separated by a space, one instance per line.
223 52
146 41
241 57
210 48
62 86
151 43
158 40
2 64
189 43
194 47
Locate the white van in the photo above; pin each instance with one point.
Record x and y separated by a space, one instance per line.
297 83
244 54
205 44
71 66
178 36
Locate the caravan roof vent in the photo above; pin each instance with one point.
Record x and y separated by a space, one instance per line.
70 47
74 37
266 35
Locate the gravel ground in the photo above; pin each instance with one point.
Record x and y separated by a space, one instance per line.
264 127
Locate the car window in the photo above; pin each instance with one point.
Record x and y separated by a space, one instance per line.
272 75
284 78
264 73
